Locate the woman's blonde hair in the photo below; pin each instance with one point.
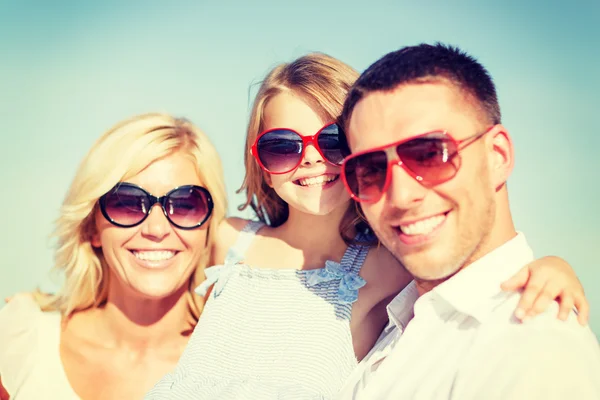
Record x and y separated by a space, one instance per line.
121 153
323 82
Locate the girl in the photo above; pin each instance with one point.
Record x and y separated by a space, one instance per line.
300 296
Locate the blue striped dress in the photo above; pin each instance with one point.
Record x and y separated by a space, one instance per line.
270 333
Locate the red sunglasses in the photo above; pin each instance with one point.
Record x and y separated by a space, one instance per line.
431 158
280 150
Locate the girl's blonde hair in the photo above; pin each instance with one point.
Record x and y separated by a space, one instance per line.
323 82
121 153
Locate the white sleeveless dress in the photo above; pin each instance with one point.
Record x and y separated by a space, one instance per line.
270 333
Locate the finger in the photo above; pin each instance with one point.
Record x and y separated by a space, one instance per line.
566 306
543 300
517 281
583 309
534 287
528 297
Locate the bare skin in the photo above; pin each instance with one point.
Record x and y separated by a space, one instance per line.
384 275
106 345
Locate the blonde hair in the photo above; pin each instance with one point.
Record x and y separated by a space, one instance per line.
323 82
121 153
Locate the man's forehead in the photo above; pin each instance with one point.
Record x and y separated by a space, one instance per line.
410 109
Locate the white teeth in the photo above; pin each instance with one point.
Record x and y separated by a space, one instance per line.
160 255
317 180
422 227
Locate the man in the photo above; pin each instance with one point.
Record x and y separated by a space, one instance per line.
429 165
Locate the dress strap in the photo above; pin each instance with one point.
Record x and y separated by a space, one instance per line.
218 274
243 241
345 274
355 254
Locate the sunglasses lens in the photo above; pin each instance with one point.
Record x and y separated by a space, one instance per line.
126 205
280 150
365 175
329 143
430 157
189 206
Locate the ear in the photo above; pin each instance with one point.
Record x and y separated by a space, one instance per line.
502 155
94 235
95 240
267 178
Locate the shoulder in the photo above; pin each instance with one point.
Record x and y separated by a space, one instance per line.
545 335
19 314
543 357
539 336
226 235
229 230
21 322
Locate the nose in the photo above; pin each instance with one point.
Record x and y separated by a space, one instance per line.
311 155
404 191
156 226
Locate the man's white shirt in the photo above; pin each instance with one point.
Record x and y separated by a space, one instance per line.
461 341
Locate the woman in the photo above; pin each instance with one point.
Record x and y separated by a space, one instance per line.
126 308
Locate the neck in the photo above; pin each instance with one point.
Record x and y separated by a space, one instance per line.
424 286
314 233
131 321
503 229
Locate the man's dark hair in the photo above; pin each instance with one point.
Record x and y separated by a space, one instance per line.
421 63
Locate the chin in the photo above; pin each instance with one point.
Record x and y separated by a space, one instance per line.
320 210
318 204
433 274
156 290
429 264
327 208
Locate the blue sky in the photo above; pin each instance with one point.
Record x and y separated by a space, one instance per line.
69 70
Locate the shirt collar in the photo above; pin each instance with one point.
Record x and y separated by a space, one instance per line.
400 309
475 290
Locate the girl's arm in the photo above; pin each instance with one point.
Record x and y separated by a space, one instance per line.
544 280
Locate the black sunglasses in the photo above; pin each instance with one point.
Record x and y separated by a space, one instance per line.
128 205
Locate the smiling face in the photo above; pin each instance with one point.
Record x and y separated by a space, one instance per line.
315 186
433 230
154 259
